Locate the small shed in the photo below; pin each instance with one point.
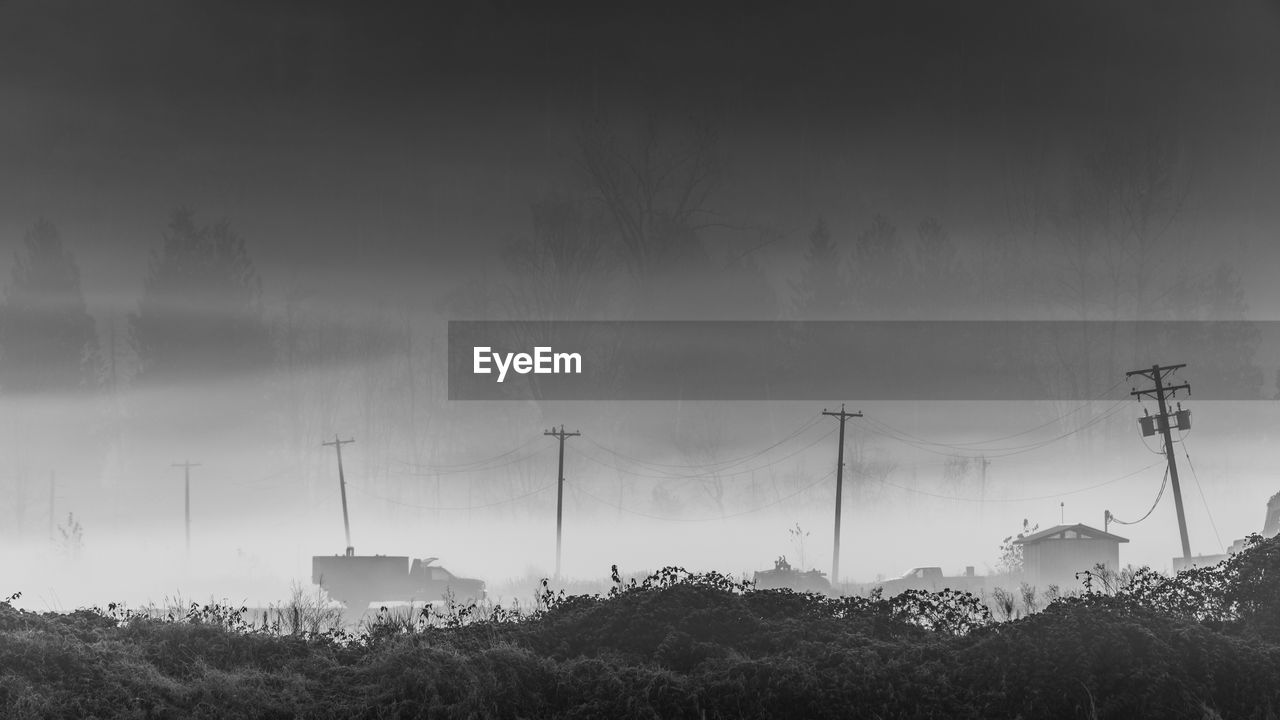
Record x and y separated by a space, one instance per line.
1054 556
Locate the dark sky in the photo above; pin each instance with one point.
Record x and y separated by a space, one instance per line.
370 150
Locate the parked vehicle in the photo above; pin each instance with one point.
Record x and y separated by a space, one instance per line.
358 580
784 576
931 579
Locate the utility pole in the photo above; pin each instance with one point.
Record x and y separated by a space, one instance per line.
560 435
983 464
1150 424
186 477
342 486
835 553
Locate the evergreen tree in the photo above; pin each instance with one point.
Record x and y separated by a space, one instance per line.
48 342
877 267
201 315
821 290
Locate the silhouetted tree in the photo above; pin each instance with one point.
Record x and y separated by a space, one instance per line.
937 272
1229 342
654 188
876 267
822 289
561 270
201 312
47 338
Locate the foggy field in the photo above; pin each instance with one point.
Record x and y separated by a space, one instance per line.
676 645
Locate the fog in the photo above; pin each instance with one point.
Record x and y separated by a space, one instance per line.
231 261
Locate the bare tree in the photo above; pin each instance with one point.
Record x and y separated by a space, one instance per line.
654 188
561 271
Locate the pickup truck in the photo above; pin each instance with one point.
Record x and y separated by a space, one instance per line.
932 579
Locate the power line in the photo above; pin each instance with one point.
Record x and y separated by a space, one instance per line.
442 469
1200 489
881 428
1023 499
976 445
778 501
257 483
705 474
1109 518
720 464
472 470
482 506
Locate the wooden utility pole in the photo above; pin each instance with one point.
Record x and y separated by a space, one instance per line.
186 477
342 487
983 464
560 435
1160 423
835 553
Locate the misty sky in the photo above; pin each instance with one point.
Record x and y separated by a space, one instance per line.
380 151
387 155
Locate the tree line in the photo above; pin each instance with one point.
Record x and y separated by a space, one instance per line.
637 234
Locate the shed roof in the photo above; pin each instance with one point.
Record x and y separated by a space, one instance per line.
1079 531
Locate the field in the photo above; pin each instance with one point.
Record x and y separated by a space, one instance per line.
1202 644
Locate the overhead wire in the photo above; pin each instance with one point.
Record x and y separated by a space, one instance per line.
472 470
970 445
257 483
721 464
881 428
480 506
704 474
772 503
1204 500
1164 483
445 468
1022 499
717 469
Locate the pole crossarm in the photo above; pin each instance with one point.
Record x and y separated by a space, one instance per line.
1185 387
1150 373
1157 374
